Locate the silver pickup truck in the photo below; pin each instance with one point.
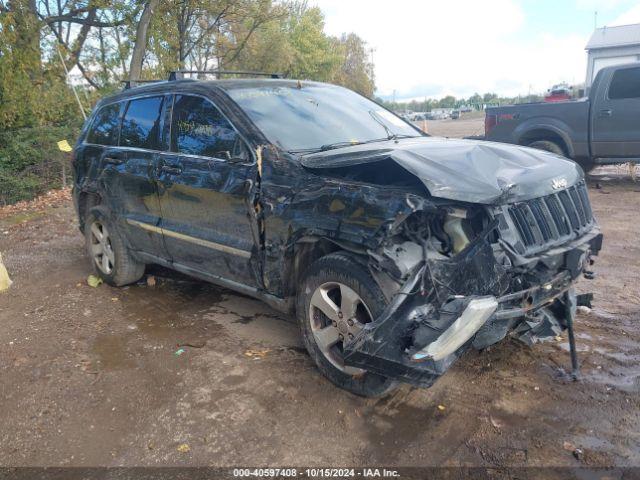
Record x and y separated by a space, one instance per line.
603 128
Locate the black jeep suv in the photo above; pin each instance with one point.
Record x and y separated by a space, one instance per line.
396 251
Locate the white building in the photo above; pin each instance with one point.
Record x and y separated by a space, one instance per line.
612 46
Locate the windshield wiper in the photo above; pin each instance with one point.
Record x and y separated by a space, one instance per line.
332 146
390 134
324 148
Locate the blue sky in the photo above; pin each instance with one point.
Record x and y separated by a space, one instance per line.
432 48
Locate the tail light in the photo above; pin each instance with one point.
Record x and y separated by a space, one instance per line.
490 121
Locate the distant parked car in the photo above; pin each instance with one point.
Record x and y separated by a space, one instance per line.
603 128
558 93
455 115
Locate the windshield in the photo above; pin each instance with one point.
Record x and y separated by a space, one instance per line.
317 117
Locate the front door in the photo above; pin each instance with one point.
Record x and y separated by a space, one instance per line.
203 187
616 116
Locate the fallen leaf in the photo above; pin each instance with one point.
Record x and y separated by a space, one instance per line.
257 353
93 281
496 423
441 408
53 198
184 448
5 281
151 281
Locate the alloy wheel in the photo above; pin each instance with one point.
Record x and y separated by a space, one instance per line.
101 249
337 314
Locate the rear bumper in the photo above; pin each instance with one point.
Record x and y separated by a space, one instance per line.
416 343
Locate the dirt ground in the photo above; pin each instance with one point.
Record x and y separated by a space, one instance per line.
470 124
93 376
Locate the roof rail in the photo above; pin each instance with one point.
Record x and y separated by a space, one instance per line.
133 83
179 74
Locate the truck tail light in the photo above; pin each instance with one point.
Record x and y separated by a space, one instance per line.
490 121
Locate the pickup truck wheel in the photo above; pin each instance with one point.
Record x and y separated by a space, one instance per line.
110 257
587 165
337 298
547 146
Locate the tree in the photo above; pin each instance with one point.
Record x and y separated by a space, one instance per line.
140 46
356 69
488 97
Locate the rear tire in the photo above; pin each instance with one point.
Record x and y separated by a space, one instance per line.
587 165
110 257
341 284
548 146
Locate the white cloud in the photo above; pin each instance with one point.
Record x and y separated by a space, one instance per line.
630 16
425 48
600 5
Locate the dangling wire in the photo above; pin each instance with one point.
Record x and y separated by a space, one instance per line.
66 72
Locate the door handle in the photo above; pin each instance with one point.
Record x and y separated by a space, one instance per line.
606 113
171 170
113 161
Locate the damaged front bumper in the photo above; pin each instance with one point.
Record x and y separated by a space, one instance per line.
416 340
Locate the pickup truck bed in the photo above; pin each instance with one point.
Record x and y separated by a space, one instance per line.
602 128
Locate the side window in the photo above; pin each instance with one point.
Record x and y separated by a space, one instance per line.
198 128
104 130
625 84
141 123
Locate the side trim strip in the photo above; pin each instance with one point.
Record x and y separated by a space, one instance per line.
187 238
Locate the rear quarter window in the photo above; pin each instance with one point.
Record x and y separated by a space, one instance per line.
625 84
105 127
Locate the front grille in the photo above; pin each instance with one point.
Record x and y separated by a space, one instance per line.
552 219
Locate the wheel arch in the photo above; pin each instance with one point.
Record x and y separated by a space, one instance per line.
310 248
86 201
529 133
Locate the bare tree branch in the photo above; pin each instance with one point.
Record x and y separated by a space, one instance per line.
82 21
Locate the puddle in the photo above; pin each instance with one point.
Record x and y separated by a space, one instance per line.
110 353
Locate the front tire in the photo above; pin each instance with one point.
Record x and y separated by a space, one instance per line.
110 257
337 298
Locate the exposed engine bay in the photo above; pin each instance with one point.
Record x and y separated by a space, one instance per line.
454 282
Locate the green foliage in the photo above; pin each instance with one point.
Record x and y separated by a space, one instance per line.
356 69
38 107
476 101
30 161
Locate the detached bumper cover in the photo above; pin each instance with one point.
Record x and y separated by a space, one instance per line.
415 342
461 330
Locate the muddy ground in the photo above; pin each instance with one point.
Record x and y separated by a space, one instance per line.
91 376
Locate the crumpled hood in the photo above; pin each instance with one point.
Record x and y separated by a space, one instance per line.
464 170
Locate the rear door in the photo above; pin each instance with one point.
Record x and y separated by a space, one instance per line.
129 176
203 187
615 115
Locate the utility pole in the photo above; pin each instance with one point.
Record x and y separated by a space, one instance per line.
595 19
